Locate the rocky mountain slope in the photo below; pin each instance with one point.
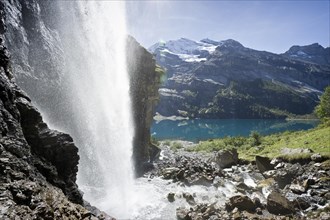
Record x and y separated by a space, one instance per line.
224 79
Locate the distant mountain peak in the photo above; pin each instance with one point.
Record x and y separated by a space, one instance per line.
209 41
313 53
232 43
219 79
311 49
187 50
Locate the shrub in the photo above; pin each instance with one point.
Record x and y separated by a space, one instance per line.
154 141
323 109
256 138
176 145
234 141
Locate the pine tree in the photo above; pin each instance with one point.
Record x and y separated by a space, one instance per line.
323 109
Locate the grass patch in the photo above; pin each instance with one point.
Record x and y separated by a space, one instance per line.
176 145
317 139
296 157
219 144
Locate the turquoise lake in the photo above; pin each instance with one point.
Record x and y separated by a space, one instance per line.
203 129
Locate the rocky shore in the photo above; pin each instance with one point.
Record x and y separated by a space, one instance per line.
262 189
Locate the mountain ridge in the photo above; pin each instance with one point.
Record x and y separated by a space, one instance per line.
293 51
200 74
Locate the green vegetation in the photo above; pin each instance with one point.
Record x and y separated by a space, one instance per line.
154 141
220 144
256 138
251 99
323 109
176 145
161 74
317 139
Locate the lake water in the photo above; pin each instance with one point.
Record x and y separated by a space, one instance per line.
203 129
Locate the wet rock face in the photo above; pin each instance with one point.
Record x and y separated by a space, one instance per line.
34 39
34 44
55 147
144 84
38 166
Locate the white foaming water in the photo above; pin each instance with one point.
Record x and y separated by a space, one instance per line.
93 34
95 44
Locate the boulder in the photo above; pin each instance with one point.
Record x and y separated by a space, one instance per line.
292 151
225 158
242 203
308 182
279 205
200 180
263 164
297 188
171 197
317 158
182 214
189 198
170 172
286 175
302 203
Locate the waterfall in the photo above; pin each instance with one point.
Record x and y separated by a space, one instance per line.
94 40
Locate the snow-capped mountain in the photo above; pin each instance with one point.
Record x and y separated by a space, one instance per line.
185 49
191 51
222 79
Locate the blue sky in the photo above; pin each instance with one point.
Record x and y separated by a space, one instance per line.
263 25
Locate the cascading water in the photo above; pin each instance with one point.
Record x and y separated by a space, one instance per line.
85 46
93 35
90 37
94 43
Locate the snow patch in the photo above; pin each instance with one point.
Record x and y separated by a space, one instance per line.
187 50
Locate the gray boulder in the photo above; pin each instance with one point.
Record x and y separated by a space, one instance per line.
225 158
183 214
242 203
279 205
263 164
296 151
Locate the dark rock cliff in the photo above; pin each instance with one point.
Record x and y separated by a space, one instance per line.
33 37
38 166
35 49
144 92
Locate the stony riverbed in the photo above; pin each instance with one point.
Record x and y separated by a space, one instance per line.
219 186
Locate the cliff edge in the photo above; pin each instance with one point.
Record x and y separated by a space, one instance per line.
38 165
